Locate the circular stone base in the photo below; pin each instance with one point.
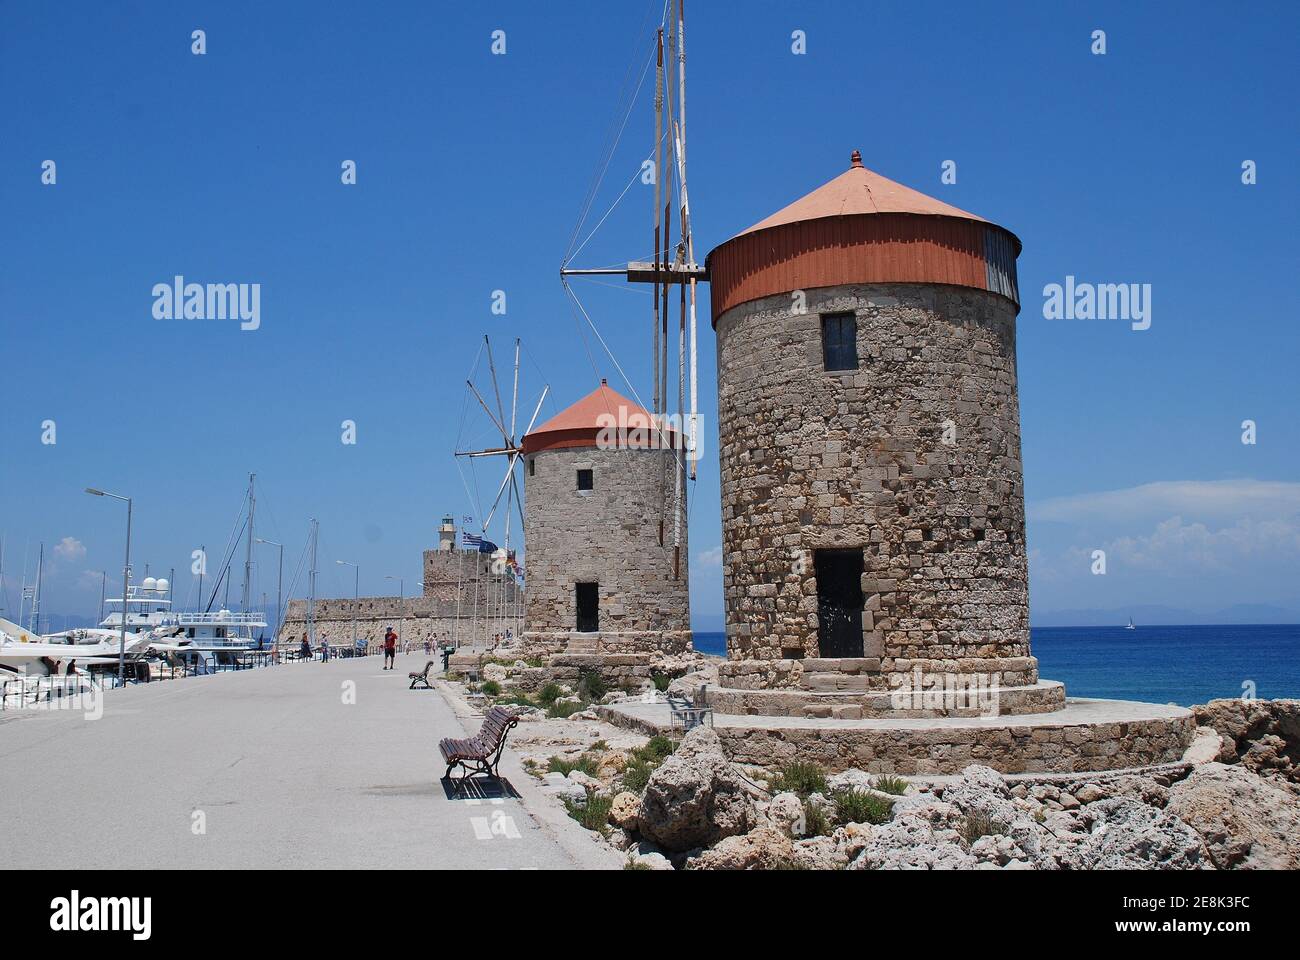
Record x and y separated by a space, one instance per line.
663 642
1084 735
861 674
956 700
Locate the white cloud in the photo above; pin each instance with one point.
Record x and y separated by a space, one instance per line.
709 558
89 579
1174 542
1177 546
69 549
1206 499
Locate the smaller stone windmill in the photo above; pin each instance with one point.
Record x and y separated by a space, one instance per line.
604 574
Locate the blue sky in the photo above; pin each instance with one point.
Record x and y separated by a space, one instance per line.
471 172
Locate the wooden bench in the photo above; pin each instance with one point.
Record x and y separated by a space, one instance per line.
421 677
480 753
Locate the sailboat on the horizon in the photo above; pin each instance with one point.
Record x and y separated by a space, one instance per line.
1130 624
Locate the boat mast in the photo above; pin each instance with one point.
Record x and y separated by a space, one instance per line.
248 554
311 579
34 623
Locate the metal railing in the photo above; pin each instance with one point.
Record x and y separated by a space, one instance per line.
221 617
21 692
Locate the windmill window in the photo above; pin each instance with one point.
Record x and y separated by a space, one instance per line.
586 480
532 467
840 341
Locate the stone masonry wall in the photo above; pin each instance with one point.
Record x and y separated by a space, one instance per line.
435 612
857 459
608 535
446 571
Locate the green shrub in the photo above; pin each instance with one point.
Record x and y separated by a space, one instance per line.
800 778
637 774
858 806
891 784
515 700
661 681
549 694
587 764
591 685
816 823
656 749
491 688
594 815
562 710
599 745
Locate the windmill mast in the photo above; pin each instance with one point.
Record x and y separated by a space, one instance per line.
673 264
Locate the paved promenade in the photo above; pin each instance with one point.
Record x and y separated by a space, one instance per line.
267 768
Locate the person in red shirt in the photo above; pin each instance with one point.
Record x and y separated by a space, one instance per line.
390 650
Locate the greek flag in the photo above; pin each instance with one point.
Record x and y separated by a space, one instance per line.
469 540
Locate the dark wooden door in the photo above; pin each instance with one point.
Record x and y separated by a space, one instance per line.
587 600
839 602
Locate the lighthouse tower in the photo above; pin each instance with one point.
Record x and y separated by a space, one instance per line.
872 494
606 544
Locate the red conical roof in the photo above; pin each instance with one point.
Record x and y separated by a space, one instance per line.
859 190
860 228
580 425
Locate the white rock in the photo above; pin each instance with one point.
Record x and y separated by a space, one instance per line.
785 810
652 861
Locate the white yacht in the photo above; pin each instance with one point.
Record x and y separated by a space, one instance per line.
222 635
146 608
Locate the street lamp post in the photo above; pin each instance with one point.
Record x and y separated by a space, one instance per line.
126 581
401 595
279 592
356 596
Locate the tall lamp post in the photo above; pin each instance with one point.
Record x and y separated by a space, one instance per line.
126 580
279 592
356 596
401 595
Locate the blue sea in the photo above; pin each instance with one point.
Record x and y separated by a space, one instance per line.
1158 664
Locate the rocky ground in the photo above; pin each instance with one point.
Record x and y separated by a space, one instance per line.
1232 803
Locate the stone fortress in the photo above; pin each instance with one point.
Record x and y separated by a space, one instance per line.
463 597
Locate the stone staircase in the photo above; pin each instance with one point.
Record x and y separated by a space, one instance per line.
583 645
